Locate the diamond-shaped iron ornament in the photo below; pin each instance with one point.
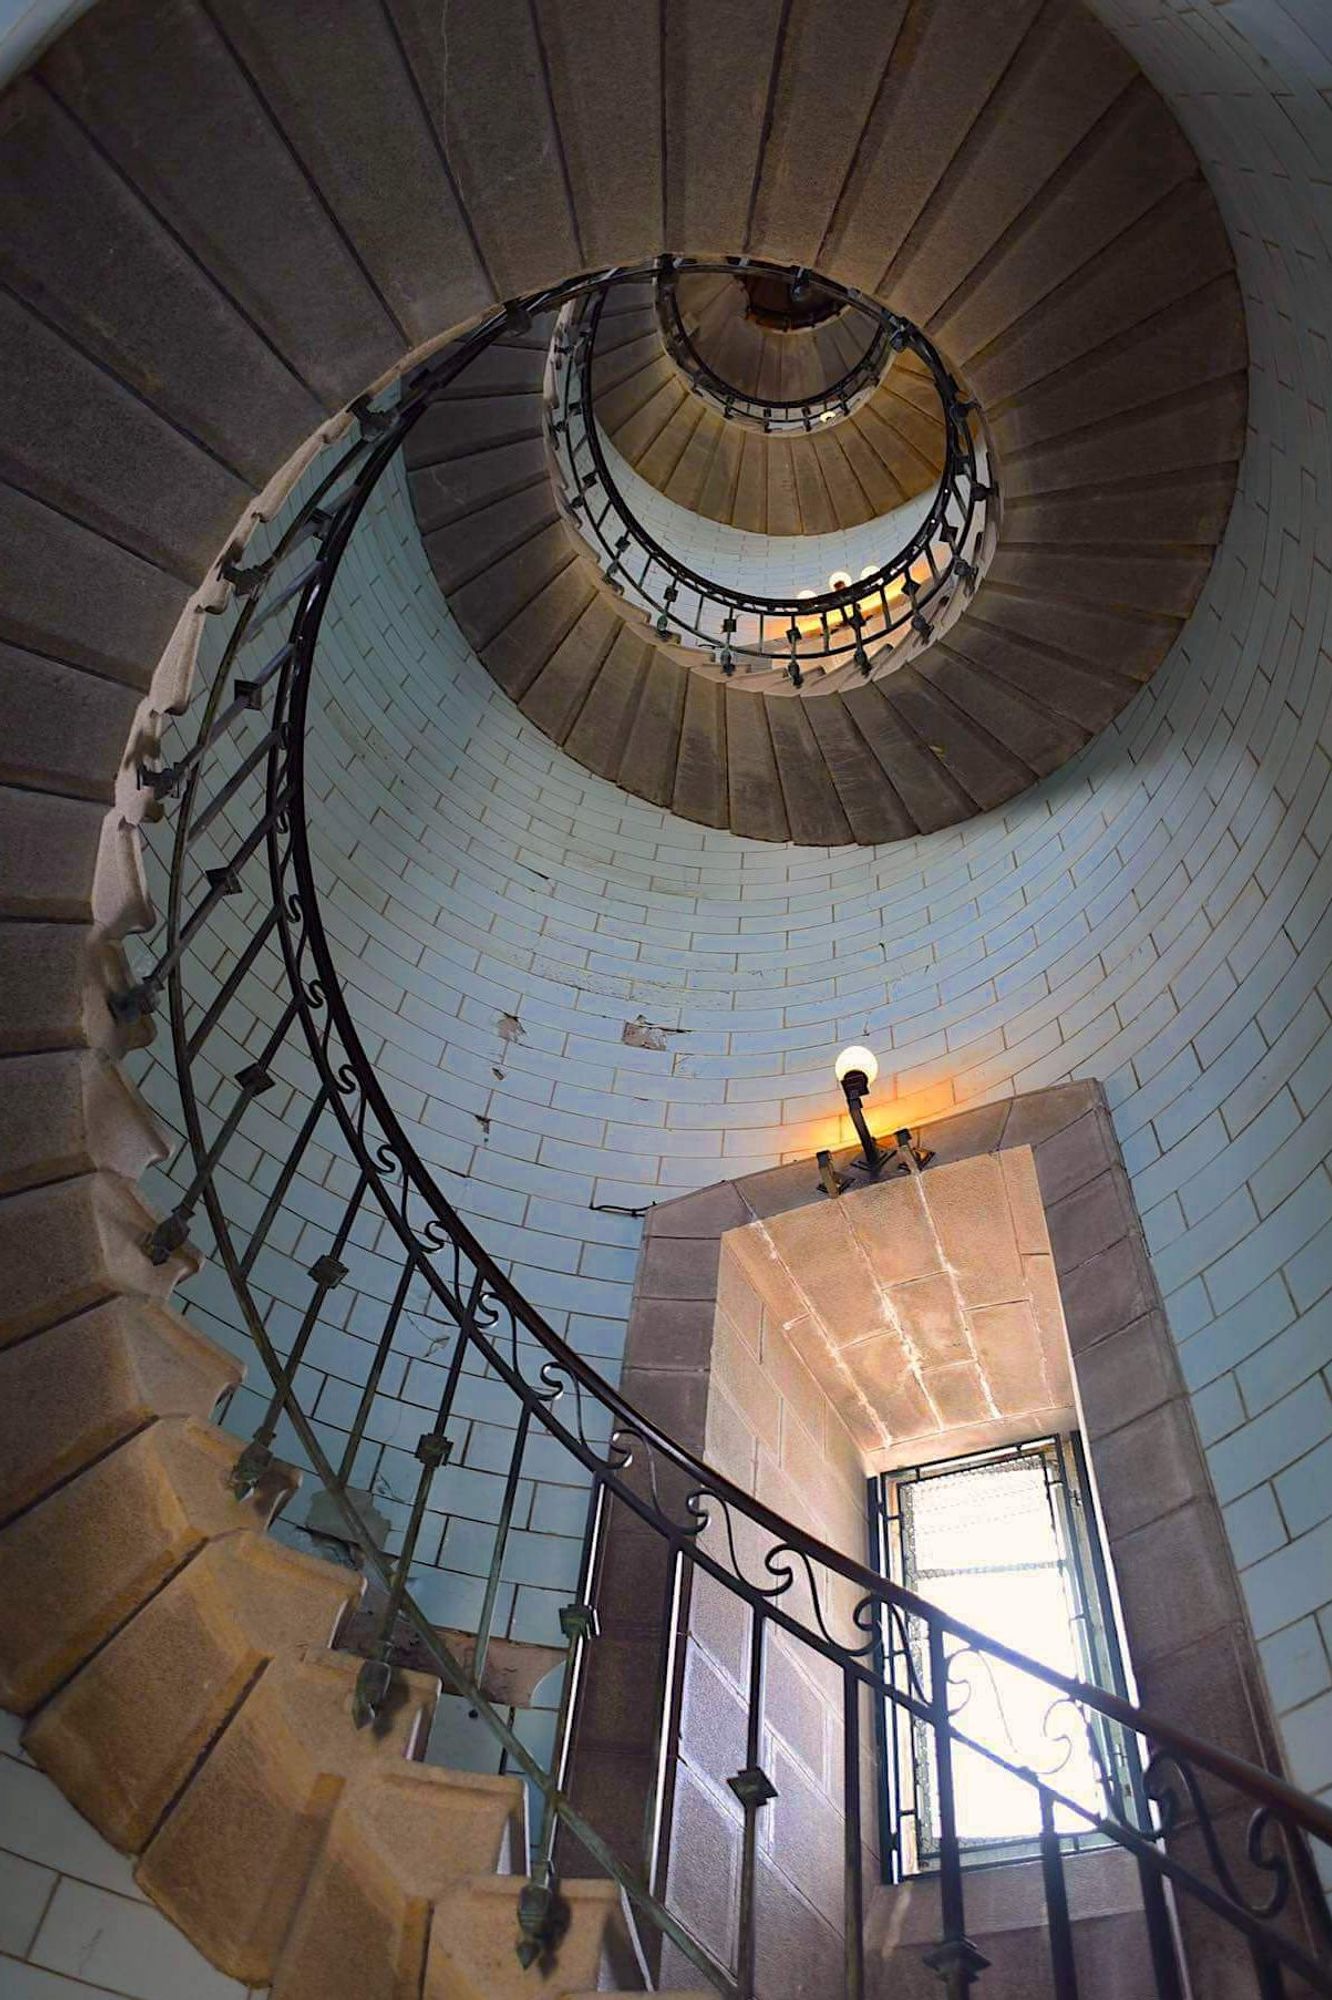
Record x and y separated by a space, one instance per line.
543 1918
955 1958
328 1272
753 1787
579 1621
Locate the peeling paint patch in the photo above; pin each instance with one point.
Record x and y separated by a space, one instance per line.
510 1028
644 1034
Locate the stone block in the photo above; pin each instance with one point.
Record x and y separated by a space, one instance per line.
1111 1290
1126 1375
679 1267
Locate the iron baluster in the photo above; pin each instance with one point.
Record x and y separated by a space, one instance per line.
223 880
665 1743
1062 1960
1160 1933
170 1234
955 1958
1271 1979
502 1526
434 1448
279 601
231 985
754 1789
327 1273
383 1348
853 1859
222 799
542 1913
286 1174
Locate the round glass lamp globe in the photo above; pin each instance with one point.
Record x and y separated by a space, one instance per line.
856 1058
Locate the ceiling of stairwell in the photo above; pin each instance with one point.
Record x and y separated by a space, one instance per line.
927 1306
1063 252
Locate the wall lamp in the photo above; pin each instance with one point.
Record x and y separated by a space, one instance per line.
856 1069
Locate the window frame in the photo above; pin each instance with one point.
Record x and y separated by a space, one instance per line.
903 1742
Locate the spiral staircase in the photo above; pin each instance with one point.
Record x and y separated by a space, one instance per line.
205 287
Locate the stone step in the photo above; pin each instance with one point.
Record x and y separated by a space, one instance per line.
231 1862
940 79
457 426
72 1244
1206 427
48 850
601 732
660 462
472 1952
79 1564
68 1112
1177 247
69 1393
873 809
449 491
648 415
47 987
1188 509
476 542
813 808
402 1835
487 606
1067 74
1022 723
651 752
555 695
122 1737
1130 161
691 475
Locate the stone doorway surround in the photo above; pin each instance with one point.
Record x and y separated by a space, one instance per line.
1191 1651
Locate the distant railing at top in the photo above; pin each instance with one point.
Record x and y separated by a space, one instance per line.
885 335
865 627
240 841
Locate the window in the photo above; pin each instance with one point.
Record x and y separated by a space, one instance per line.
1004 1541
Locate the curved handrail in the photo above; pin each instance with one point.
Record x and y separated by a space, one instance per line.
777 415
627 1458
871 622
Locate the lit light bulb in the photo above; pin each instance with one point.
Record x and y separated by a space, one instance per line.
855 1058
840 580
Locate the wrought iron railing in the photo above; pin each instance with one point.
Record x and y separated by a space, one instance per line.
240 844
865 627
884 335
